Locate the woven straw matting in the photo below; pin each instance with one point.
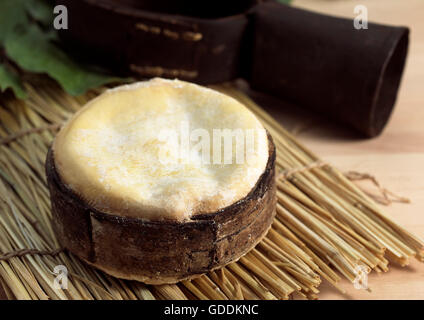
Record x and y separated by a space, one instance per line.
325 226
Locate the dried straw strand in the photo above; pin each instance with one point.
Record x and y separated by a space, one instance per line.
324 223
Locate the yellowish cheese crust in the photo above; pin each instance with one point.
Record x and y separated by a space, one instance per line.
121 156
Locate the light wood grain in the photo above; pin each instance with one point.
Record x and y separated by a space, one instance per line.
396 158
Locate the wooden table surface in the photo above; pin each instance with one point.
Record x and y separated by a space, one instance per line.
396 158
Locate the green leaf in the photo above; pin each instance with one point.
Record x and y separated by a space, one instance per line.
31 49
40 10
12 14
9 80
285 1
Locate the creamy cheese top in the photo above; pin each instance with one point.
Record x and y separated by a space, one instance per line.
161 149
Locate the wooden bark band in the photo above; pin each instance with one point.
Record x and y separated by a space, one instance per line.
167 251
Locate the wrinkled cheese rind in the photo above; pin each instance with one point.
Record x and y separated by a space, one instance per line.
120 155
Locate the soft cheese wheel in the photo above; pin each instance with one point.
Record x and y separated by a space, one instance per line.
132 151
161 181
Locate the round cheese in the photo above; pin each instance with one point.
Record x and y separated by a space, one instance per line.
161 149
